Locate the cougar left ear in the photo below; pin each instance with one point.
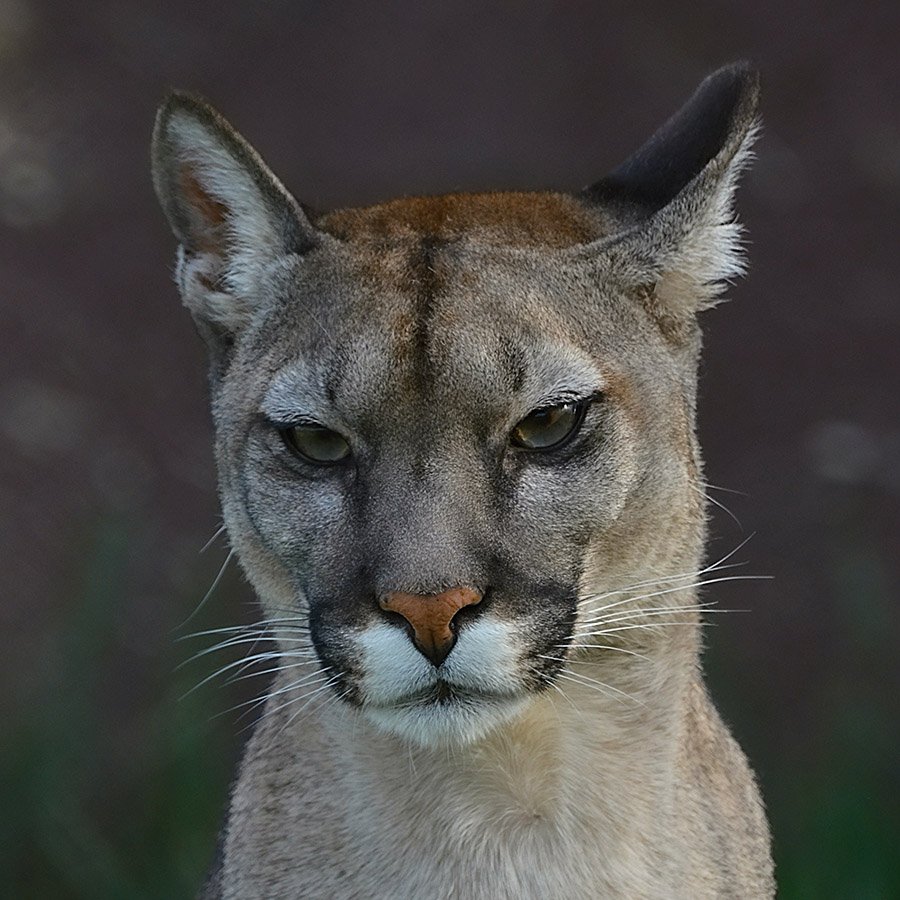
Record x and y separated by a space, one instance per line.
231 215
675 196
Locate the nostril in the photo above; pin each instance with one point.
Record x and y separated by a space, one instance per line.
469 611
398 619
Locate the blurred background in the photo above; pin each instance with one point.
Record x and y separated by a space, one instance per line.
112 786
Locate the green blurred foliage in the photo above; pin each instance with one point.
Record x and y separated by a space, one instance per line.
836 819
830 779
102 805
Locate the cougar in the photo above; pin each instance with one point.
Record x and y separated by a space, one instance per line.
455 438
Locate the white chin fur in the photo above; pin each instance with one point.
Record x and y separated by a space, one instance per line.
482 666
454 723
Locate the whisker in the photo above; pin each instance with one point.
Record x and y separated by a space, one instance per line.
237 640
610 617
683 587
716 487
241 662
640 615
240 675
718 567
718 503
593 598
210 542
707 608
310 697
604 688
649 625
596 647
318 675
565 696
209 593
313 677
300 624
253 704
333 698
254 642
329 680
575 646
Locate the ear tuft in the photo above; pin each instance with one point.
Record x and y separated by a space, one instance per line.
675 195
231 215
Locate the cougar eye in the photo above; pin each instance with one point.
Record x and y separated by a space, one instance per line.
550 426
316 443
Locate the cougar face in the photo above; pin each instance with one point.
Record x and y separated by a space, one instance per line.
445 424
422 359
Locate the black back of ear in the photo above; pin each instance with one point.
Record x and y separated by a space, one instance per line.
723 104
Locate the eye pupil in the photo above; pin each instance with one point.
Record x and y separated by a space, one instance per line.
549 427
316 443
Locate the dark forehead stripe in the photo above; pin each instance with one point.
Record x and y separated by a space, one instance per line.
428 284
500 219
513 362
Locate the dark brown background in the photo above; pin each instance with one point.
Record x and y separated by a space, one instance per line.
107 481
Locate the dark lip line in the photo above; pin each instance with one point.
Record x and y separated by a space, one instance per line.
429 697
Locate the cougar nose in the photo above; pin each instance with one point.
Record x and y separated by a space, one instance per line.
431 617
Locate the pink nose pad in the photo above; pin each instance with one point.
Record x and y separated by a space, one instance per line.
430 616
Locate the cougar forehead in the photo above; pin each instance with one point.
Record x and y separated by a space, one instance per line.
443 306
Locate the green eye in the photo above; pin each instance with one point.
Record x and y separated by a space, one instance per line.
550 426
316 443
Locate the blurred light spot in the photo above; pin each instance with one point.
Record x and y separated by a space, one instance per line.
844 452
40 420
29 193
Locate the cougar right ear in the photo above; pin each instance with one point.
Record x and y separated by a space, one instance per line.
231 215
676 196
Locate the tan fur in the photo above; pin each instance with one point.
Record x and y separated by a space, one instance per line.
423 330
504 218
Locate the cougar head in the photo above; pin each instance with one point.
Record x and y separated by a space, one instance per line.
446 425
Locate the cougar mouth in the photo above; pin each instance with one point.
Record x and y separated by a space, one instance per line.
443 693
444 715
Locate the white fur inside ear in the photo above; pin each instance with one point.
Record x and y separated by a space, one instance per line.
237 222
691 249
196 276
708 254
